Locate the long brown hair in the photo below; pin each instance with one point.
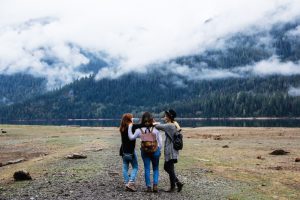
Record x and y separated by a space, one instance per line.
126 120
147 119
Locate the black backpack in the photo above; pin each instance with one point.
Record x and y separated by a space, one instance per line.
177 140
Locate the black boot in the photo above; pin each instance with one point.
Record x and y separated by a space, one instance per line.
179 186
171 189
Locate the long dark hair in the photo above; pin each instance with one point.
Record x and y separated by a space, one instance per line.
126 120
147 119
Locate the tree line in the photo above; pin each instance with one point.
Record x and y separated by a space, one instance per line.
87 98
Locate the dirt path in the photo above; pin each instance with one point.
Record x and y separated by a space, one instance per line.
99 177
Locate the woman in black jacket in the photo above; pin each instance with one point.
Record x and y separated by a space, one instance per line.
127 151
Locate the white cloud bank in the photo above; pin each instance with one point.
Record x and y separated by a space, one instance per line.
201 72
295 32
270 67
294 91
136 33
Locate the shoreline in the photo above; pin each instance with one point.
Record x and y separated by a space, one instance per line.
179 118
184 127
287 122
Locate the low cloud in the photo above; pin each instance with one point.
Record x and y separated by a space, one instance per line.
47 38
201 72
295 32
270 67
294 91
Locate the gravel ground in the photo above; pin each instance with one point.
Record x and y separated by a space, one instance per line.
104 181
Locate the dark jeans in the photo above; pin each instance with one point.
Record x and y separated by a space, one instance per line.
170 169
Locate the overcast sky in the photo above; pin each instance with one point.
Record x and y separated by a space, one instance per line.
136 33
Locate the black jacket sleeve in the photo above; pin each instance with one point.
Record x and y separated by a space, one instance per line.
121 150
136 126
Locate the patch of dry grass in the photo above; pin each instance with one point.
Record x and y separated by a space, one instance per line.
41 145
240 161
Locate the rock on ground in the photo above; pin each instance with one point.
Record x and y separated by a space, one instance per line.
22 175
279 152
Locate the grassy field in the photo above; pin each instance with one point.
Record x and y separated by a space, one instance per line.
240 161
244 160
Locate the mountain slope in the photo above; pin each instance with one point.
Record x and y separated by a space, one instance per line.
20 87
87 98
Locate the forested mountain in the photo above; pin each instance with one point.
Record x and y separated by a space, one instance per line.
19 87
221 82
87 98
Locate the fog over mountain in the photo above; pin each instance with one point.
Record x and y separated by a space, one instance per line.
66 40
294 91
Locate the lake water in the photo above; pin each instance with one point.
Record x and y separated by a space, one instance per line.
200 122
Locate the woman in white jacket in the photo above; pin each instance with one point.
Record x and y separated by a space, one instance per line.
147 127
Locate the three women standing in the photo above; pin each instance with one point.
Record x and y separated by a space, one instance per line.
148 158
149 128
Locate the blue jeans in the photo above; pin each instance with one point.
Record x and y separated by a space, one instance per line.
134 164
154 158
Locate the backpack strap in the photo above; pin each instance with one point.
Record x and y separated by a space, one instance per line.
142 131
169 136
150 130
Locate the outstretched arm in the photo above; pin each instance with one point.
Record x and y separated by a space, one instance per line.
136 126
160 127
131 135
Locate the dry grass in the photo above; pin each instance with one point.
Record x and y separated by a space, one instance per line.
203 148
41 145
240 161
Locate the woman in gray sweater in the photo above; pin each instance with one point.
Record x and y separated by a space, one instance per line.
171 155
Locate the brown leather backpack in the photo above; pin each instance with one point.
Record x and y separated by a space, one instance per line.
149 143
